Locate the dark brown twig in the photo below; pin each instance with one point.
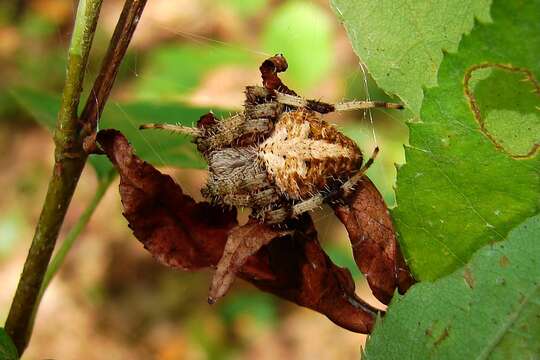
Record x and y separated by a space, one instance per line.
120 40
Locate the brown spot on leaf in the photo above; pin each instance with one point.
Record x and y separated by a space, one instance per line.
442 337
469 277
184 234
373 240
503 261
480 119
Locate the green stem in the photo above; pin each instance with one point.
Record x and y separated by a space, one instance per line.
67 244
69 162
60 256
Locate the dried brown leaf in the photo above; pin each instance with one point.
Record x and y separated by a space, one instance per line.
304 274
175 229
269 70
243 242
373 241
183 234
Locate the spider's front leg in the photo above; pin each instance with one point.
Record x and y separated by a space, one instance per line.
235 130
324 108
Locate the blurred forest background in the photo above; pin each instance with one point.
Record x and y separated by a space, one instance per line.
111 300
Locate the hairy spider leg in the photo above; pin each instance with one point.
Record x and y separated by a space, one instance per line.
349 185
227 131
281 214
180 129
324 108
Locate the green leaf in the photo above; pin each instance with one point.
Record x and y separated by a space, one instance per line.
42 107
245 8
402 42
391 135
466 182
174 70
7 348
302 32
157 147
490 309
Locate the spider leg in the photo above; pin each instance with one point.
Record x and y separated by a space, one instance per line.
272 216
344 190
226 131
180 129
258 199
323 108
267 110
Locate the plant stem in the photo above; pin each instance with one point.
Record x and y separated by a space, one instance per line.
69 162
129 18
60 255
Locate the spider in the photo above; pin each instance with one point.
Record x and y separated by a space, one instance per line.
278 157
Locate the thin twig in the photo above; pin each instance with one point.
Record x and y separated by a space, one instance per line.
69 162
123 33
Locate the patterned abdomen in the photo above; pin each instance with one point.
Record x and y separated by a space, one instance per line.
304 154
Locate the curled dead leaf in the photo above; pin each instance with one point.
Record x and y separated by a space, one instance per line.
178 231
305 275
269 70
373 241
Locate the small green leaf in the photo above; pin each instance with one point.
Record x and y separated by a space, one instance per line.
402 42
302 32
42 107
8 351
466 182
156 147
490 309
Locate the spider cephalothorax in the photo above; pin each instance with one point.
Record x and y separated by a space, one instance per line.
278 157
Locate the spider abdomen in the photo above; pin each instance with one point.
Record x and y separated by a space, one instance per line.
305 155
